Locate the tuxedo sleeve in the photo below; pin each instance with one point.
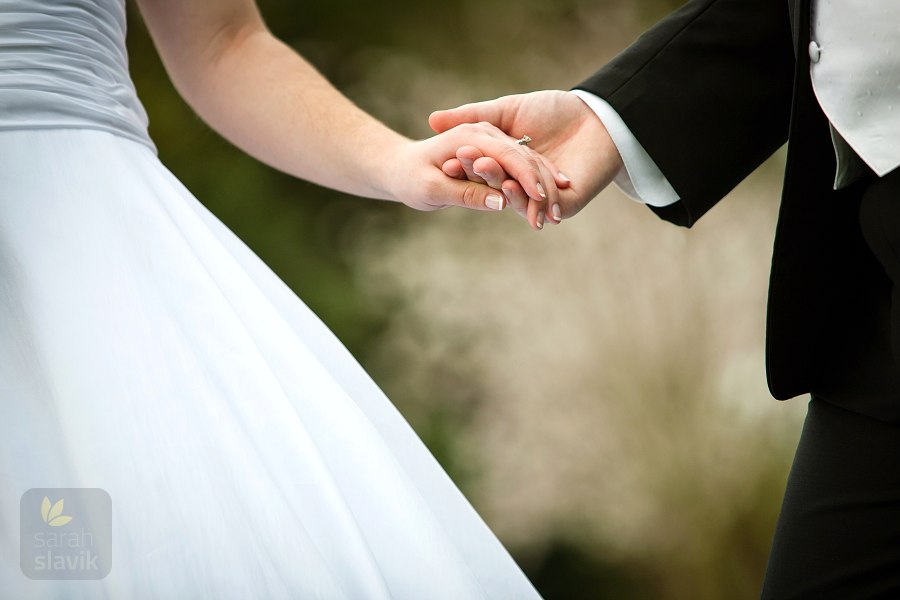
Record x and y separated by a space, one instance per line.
707 92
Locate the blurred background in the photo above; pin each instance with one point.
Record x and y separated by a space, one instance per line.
596 389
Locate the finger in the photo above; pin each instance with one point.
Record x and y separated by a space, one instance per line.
491 171
561 180
516 197
551 192
553 209
554 214
467 155
535 214
467 194
453 169
490 111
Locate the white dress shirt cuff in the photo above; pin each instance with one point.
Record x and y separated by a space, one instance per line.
640 179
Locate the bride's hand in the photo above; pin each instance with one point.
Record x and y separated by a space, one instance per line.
471 163
418 181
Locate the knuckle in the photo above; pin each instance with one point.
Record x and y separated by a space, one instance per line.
534 159
523 163
471 197
510 152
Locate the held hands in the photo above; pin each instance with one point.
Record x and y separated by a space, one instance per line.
565 133
421 184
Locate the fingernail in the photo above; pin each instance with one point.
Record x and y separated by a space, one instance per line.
564 178
541 191
508 195
494 202
557 213
479 174
540 220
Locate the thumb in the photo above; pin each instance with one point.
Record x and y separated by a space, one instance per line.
491 111
468 194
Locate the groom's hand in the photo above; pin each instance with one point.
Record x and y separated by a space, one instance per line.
562 128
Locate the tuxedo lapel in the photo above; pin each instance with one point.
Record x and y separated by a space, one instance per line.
797 252
796 8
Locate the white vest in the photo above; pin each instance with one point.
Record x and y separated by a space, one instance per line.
855 70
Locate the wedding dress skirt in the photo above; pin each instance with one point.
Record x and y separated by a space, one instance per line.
146 351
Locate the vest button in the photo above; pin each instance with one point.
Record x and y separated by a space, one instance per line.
815 52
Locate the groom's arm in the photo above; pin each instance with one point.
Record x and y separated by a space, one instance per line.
639 178
707 93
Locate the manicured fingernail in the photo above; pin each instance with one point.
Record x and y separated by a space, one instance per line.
541 191
557 214
540 220
494 202
563 177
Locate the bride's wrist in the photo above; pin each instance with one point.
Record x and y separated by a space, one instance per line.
382 162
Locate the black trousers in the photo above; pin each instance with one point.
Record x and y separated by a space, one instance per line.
838 535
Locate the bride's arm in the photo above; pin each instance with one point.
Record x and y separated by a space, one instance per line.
270 102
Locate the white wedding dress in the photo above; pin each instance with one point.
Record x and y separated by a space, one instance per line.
146 351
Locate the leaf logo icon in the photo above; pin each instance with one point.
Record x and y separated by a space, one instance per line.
52 515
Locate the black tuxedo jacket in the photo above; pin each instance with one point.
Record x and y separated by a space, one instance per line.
711 92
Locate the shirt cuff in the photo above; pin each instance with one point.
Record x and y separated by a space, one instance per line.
641 179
